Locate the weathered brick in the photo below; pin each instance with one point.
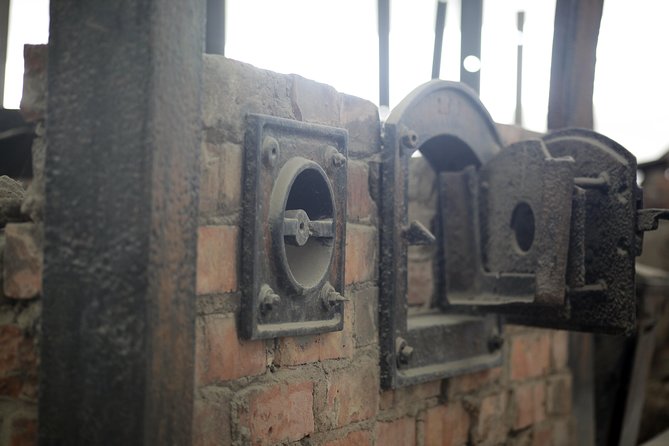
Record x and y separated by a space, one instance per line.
33 100
386 399
281 413
18 364
530 354
560 349
23 431
220 355
530 404
10 339
542 435
558 400
360 206
401 432
220 179
22 275
304 349
361 118
217 252
339 344
210 179
463 384
235 89
361 248
366 314
315 102
447 425
356 438
211 423
417 392
351 395
491 426
420 282
563 433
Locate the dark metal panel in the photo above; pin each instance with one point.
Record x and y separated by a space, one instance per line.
294 226
471 20
575 37
121 222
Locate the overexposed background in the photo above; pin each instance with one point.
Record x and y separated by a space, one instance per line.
336 42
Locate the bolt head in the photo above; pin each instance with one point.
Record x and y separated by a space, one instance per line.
271 151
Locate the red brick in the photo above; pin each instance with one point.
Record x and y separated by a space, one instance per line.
530 355
418 392
560 350
491 426
386 399
10 340
360 205
400 432
211 423
281 413
421 282
219 353
352 395
210 179
23 260
463 384
530 404
361 247
305 349
217 251
357 438
558 400
542 435
366 315
447 425
361 118
23 432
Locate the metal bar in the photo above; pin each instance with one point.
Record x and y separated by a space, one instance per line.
215 41
121 222
384 52
573 64
520 24
4 36
438 37
470 44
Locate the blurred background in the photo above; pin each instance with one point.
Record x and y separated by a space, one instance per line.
632 69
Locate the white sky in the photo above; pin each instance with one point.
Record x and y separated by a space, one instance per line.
336 42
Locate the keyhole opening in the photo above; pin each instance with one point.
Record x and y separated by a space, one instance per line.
522 223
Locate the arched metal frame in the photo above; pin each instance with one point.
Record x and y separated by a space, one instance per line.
434 345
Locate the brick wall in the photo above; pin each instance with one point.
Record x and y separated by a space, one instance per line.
21 267
309 390
324 389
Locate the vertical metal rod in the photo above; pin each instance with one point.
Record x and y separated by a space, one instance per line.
438 37
470 45
520 24
4 35
118 326
215 41
384 52
575 37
